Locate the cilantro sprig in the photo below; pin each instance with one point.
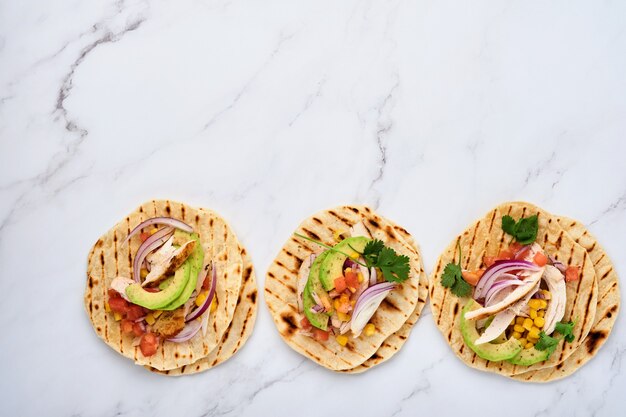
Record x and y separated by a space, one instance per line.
524 230
452 277
394 267
549 343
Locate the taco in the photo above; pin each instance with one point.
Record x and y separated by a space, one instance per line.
164 283
342 284
515 292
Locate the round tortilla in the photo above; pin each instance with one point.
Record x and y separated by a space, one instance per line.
606 310
281 283
237 333
393 343
486 237
109 258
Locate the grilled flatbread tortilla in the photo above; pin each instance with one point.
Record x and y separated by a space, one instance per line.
281 288
110 258
237 333
486 237
394 342
606 311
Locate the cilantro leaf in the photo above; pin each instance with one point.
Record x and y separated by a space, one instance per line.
546 342
452 277
450 274
461 288
524 230
372 251
395 268
566 329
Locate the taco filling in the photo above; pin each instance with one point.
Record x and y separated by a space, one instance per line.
168 297
517 301
340 289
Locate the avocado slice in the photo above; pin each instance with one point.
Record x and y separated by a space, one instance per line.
333 264
530 356
319 320
196 259
489 351
156 300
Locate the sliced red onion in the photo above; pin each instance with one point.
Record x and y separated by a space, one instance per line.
521 250
316 298
349 263
557 264
140 319
201 277
494 271
344 328
187 333
499 286
209 299
367 304
176 224
151 244
316 309
373 276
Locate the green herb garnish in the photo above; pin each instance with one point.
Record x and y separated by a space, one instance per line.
524 230
452 277
395 268
549 343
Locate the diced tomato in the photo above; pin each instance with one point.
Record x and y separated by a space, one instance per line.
148 344
572 273
144 236
472 277
514 247
134 312
340 284
505 254
113 293
540 259
305 324
127 326
118 305
137 329
352 280
320 335
488 260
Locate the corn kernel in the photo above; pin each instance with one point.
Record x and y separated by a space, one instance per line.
348 269
343 316
143 273
539 322
353 302
213 306
519 320
532 340
342 339
533 333
201 298
369 329
117 316
107 307
336 304
512 322
529 345
150 319
543 304
517 335
528 324
154 230
546 294
523 341
541 313
533 313
519 328
157 313
360 277
534 303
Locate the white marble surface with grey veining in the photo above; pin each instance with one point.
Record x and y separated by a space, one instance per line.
267 111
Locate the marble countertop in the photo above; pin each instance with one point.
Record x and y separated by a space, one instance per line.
430 111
